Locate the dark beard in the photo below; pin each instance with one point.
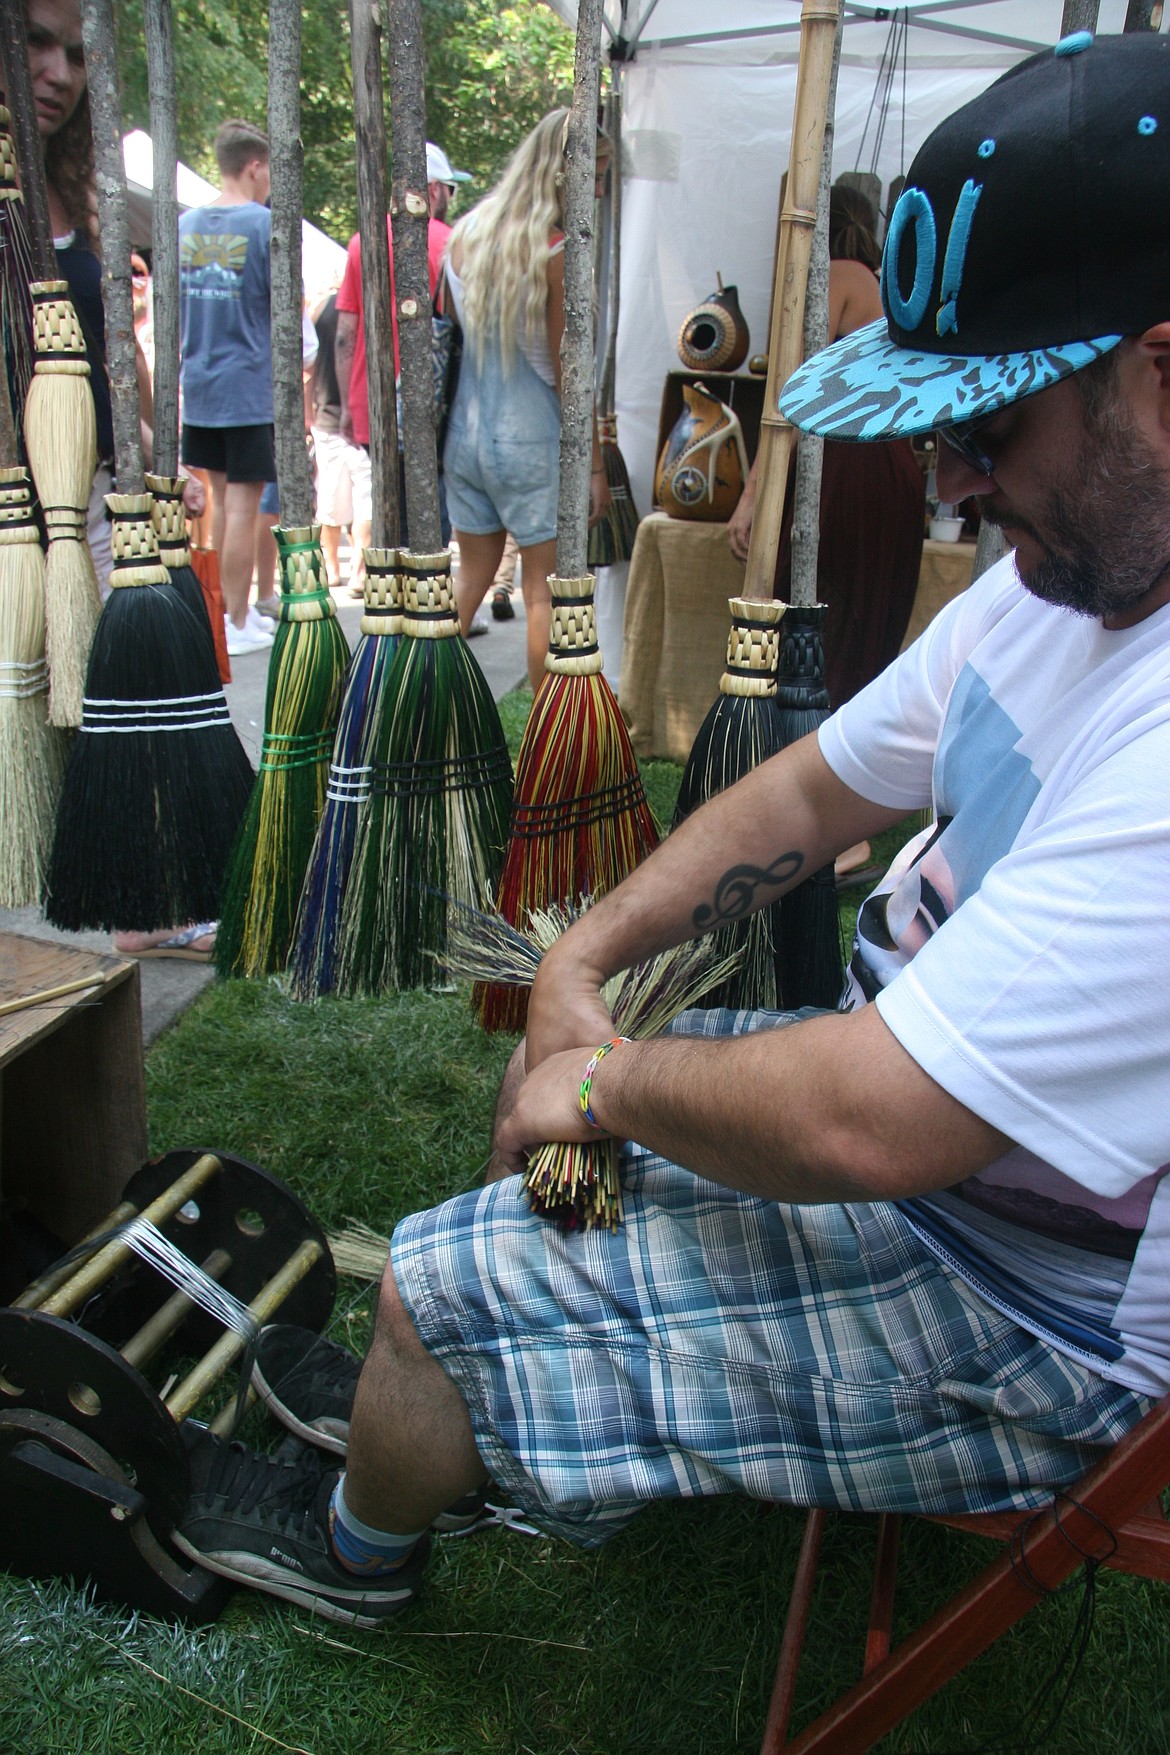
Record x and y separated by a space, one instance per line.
1107 542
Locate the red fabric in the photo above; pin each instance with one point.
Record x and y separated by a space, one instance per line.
349 298
873 513
205 563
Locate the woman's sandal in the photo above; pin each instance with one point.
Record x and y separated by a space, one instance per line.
184 945
502 610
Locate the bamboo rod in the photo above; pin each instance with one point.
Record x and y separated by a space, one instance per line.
818 30
101 61
370 131
410 207
146 1341
97 1270
288 168
27 138
38 1290
224 1423
164 232
190 1392
577 345
45 995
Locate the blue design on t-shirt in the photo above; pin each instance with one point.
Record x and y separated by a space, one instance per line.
225 316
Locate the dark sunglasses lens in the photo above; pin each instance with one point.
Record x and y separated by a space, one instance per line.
965 447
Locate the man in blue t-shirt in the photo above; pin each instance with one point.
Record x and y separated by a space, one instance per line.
226 371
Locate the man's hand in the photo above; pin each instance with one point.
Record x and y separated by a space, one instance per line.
739 528
599 496
547 1108
345 424
565 1010
194 496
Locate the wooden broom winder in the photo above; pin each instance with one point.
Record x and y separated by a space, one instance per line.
410 206
164 231
26 134
370 127
818 30
577 344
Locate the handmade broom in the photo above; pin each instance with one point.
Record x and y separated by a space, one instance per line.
306 668
742 730
174 548
432 834
580 822
32 752
313 965
60 433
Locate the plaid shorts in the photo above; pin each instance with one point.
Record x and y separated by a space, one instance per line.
811 1355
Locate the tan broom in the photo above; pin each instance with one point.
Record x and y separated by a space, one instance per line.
32 752
60 433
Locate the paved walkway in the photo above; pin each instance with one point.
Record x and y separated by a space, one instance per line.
168 985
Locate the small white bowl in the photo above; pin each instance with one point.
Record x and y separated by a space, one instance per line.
946 529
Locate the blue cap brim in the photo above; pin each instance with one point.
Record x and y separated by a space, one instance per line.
868 387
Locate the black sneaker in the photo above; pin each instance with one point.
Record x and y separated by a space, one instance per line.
264 1522
309 1384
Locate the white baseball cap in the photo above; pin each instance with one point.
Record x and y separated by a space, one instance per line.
439 167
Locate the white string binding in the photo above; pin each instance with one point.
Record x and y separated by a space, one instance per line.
148 1242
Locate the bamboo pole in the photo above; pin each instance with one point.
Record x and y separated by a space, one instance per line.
818 29
101 61
410 207
810 449
27 138
577 345
365 24
287 160
164 231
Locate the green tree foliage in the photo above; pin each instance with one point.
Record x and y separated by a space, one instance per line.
492 72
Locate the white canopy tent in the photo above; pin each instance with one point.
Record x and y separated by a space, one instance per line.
708 94
322 260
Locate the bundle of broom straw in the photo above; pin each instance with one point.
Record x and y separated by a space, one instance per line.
575 1185
306 674
174 549
741 730
60 433
157 780
432 833
16 273
580 821
611 539
32 752
314 957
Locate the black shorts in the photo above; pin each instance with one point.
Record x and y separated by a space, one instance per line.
239 453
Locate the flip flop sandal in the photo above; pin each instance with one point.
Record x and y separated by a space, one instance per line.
182 945
502 610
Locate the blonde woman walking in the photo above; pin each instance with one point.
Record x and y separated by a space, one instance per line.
506 282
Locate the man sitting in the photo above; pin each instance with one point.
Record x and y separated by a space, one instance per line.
905 1256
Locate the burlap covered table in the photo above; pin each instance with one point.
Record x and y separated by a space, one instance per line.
676 620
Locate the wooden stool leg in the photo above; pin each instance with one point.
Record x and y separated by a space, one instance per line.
881 1602
792 1644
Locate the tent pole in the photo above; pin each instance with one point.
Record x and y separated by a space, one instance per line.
818 31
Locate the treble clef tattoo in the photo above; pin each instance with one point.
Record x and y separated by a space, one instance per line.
737 890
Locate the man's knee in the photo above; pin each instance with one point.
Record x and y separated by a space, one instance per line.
395 1326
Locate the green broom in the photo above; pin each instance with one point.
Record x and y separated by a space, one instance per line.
742 730
32 752
306 675
432 832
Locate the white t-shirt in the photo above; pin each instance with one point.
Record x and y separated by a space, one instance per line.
1019 949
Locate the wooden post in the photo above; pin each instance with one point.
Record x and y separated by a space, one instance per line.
284 133
27 138
577 345
810 449
818 29
1079 15
410 208
101 60
365 24
164 231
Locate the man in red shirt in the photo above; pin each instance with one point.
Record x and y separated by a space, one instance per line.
350 344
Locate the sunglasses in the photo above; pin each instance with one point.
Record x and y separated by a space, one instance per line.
961 439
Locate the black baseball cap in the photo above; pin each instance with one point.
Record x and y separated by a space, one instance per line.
1033 233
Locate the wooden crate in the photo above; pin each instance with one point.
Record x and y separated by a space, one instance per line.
72 1089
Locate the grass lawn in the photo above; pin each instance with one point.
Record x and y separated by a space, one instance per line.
665 1640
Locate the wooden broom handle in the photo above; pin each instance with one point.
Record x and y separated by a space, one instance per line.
818 30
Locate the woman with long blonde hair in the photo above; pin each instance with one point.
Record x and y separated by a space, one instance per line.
506 281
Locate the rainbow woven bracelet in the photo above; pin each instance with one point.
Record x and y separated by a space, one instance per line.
587 1078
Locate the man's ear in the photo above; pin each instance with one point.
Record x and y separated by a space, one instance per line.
1154 344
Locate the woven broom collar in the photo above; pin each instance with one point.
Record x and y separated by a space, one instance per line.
753 648
57 334
383 588
304 582
9 176
133 541
16 519
428 596
572 638
170 519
